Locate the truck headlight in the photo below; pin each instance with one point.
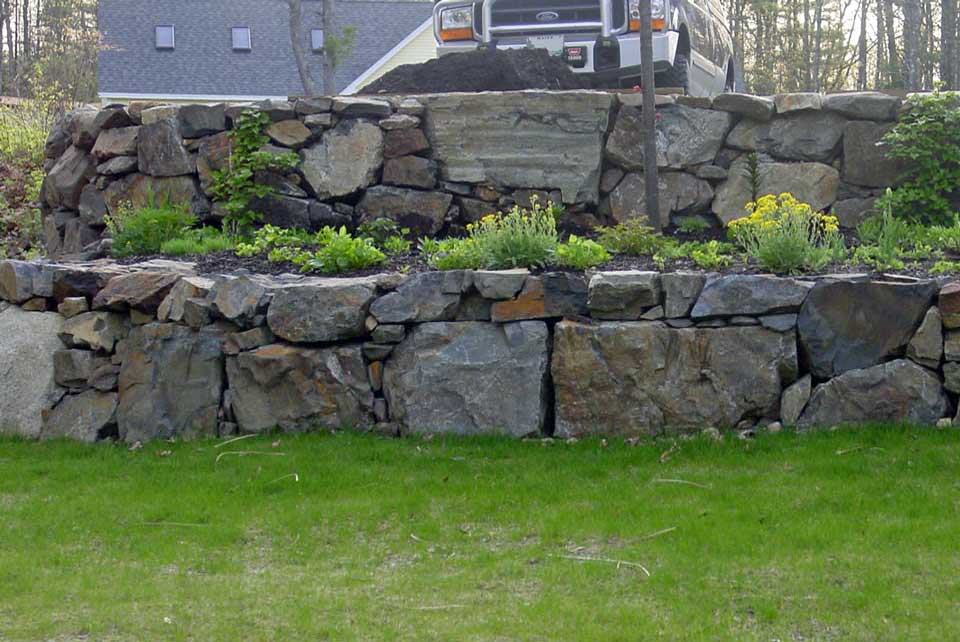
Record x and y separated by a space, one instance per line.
658 15
456 23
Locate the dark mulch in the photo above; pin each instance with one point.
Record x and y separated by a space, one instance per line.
491 70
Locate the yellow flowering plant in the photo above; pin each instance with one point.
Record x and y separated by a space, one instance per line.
786 236
520 238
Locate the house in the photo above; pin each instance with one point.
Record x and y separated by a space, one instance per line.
239 50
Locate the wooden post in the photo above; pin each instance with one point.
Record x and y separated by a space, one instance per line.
651 179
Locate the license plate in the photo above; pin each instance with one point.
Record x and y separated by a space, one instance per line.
553 44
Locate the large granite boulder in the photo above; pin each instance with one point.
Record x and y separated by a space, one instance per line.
804 136
196 121
813 183
864 105
321 310
161 150
298 389
67 178
144 191
759 108
550 295
845 325
470 378
680 193
428 296
143 291
632 378
28 341
346 159
528 139
116 142
83 417
749 294
685 136
171 382
897 391
95 330
422 212
865 161
622 295
242 299
213 155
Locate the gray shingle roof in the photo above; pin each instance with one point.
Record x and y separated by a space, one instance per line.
204 63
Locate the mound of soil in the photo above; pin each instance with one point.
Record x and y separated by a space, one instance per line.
489 70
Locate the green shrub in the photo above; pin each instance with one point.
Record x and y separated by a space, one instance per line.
271 237
786 236
206 240
693 225
580 253
927 137
451 254
145 231
342 252
712 255
519 238
23 131
632 237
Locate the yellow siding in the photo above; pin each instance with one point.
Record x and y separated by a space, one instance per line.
420 49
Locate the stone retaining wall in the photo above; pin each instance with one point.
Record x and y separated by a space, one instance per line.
438 162
155 351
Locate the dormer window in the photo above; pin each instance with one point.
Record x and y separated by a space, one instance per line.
165 37
241 39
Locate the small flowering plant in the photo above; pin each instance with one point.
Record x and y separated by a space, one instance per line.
520 238
786 236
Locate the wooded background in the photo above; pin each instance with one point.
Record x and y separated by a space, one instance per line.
49 47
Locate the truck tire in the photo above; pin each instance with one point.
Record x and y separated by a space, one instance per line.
678 75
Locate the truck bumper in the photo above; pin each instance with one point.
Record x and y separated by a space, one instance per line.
664 49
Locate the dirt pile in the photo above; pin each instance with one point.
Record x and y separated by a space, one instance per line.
492 70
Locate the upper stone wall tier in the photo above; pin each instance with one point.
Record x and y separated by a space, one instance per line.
436 163
153 350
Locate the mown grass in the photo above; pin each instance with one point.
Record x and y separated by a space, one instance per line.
850 535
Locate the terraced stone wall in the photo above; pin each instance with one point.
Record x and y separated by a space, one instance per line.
93 351
436 163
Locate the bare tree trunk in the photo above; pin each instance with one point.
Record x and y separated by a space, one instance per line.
818 47
329 32
651 179
893 62
911 44
862 47
948 44
297 44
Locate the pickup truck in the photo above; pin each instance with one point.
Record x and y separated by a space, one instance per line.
692 47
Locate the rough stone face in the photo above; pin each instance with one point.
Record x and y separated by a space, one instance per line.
779 322
157 113
196 121
345 161
213 154
388 333
864 160
95 330
82 417
145 191
794 400
73 306
72 368
353 106
403 142
555 294
680 193
28 341
788 103
685 136
895 392
76 281
410 171
67 178
284 211
521 139
243 299
93 208
622 295
681 290
866 105
321 310
276 110
116 142
143 291
951 346
289 133
754 107
812 183
749 294
805 136
422 212
300 388
470 378
118 166
628 378
951 376
845 325
84 128
17 280
315 105
948 301
161 150
926 347
499 285
851 212
399 121
188 287
428 296
113 118
170 383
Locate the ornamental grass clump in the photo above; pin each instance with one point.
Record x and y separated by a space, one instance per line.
786 236
520 238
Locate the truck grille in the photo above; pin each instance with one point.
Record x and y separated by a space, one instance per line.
518 13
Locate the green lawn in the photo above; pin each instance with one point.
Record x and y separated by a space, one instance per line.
851 535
